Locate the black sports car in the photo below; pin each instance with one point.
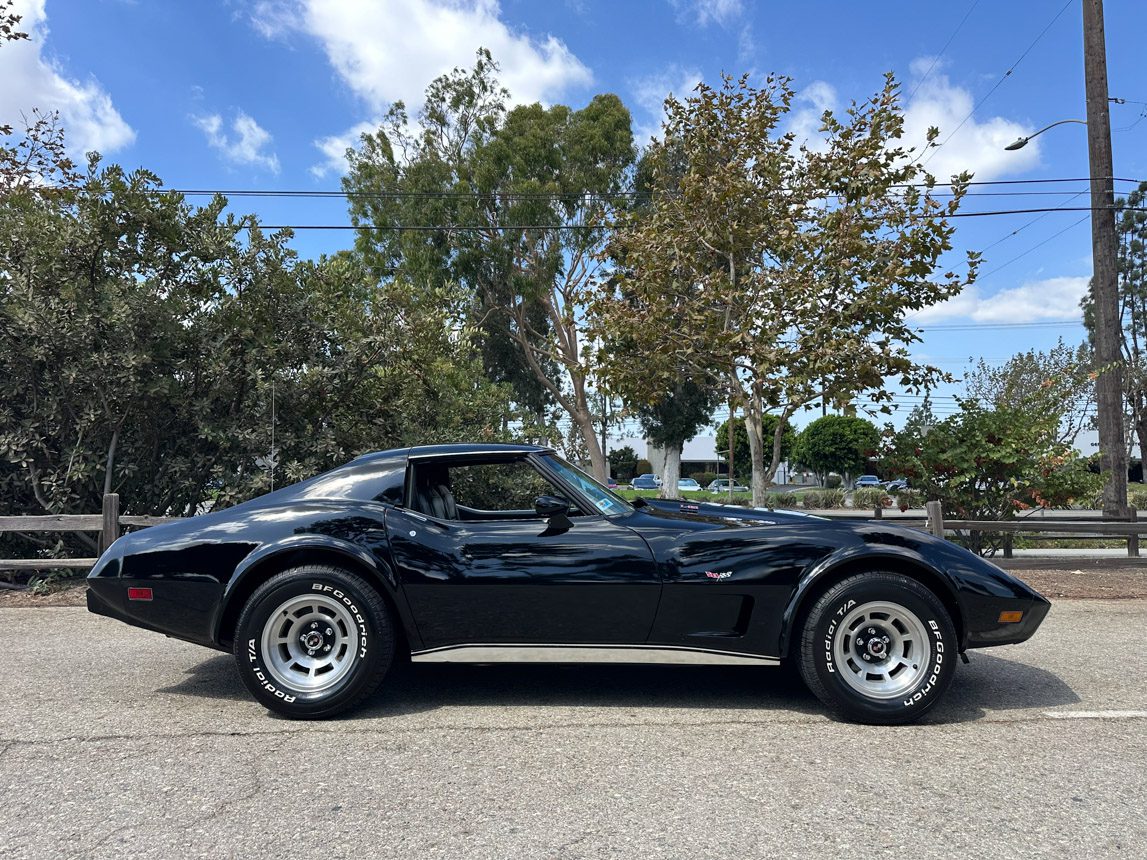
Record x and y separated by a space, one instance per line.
483 553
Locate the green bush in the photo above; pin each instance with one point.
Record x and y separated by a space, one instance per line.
704 478
780 500
833 481
905 499
1137 496
871 498
643 467
820 499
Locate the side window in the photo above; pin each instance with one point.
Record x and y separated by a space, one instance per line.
498 487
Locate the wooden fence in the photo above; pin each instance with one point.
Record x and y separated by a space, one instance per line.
109 524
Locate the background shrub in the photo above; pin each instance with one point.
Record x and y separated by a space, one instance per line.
833 481
871 498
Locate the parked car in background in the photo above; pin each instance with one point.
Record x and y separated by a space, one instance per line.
721 485
648 481
688 485
896 484
867 481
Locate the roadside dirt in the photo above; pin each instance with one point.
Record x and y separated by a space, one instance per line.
1130 583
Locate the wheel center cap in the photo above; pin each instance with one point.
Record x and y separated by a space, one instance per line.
312 639
876 646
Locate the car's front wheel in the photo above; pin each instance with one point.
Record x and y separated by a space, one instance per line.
878 648
314 641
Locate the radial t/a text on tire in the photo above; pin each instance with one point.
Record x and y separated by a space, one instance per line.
878 648
314 641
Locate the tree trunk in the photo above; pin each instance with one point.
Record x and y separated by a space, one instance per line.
755 431
671 472
583 420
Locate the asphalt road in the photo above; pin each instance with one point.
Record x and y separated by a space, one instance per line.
115 742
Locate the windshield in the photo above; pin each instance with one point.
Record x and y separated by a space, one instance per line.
604 499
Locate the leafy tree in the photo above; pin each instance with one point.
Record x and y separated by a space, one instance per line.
742 458
837 443
788 273
990 464
511 204
622 462
1059 382
172 353
671 422
1131 267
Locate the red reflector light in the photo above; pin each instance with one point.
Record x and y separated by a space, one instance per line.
139 594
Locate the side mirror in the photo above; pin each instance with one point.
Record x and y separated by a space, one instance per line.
551 506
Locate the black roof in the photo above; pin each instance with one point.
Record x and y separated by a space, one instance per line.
455 448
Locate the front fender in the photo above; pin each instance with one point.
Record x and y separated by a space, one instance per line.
899 559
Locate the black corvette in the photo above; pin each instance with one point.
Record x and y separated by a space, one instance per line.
484 553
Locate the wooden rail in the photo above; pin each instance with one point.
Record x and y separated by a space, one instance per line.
109 523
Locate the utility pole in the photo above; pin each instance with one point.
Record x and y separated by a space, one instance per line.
1104 286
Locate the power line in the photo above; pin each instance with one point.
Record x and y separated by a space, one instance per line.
996 86
1035 247
400 228
535 195
936 59
973 326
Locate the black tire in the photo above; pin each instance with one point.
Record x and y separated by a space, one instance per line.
329 649
887 676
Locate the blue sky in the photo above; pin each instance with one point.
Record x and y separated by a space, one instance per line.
251 94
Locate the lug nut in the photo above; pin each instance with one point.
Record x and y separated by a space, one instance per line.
871 632
314 625
866 657
328 648
329 631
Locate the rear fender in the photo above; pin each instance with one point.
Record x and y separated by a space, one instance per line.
295 549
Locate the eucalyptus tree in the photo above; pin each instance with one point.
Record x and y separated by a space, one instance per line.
785 271
514 205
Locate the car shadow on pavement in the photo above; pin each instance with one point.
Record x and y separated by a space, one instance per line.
427 687
989 685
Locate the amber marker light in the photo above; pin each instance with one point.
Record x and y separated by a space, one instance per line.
1011 616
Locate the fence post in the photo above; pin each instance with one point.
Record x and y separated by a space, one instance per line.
935 518
110 530
1133 540
1008 544
878 512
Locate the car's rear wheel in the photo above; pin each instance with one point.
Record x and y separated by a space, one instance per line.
314 641
878 648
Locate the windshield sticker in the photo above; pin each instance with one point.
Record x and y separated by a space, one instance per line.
604 504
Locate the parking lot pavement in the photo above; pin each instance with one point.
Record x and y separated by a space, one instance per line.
116 742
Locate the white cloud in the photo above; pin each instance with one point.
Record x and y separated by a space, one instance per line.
649 94
706 12
387 52
809 106
1032 301
34 79
978 146
246 143
334 147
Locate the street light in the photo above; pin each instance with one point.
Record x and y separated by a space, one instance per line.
1023 141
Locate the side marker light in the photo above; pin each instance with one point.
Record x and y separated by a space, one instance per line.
1011 617
139 594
